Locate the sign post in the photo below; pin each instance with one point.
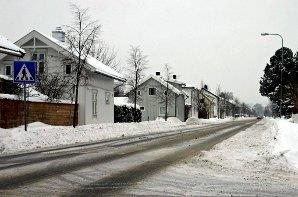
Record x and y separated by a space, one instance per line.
24 73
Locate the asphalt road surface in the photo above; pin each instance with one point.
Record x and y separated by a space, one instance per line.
107 167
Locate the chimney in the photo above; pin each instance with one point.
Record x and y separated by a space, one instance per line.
59 34
157 73
174 77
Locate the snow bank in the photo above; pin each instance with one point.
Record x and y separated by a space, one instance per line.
295 118
242 165
193 121
40 135
287 140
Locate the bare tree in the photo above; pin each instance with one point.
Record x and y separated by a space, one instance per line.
137 62
199 103
106 54
53 85
165 93
81 37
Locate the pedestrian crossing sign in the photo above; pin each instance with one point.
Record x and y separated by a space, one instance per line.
24 72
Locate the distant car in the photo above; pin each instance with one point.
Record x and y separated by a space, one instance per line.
259 117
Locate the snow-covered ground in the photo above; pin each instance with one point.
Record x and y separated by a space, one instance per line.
40 135
287 144
258 161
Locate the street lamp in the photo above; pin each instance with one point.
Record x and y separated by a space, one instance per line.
280 67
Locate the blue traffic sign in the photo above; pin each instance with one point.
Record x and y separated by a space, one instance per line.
24 72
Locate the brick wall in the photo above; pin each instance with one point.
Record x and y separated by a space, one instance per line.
12 111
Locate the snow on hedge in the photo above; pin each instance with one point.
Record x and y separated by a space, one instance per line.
287 140
124 101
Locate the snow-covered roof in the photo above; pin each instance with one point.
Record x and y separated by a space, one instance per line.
188 85
164 83
97 65
10 48
123 101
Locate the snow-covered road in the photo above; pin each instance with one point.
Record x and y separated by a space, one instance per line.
107 168
253 162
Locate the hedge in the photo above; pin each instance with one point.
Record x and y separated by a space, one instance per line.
125 114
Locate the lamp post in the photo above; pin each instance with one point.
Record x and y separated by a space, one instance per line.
280 67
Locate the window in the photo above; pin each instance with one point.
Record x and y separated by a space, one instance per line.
162 110
68 69
107 98
94 102
8 70
139 93
152 91
40 62
142 108
41 56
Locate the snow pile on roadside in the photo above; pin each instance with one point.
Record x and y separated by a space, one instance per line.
174 120
287 141
248 151
192 121
40 135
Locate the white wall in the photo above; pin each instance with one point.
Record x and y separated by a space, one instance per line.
105 111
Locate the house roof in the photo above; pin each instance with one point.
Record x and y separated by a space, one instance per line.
164 83
10 48
94 64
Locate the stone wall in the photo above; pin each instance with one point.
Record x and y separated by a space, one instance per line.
12 111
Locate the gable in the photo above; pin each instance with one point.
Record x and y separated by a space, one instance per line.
29 43
37 42
152 82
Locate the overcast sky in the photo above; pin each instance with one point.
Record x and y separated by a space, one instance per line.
217 41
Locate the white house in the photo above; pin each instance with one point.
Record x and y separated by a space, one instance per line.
214 102
96 96
151 98
191 102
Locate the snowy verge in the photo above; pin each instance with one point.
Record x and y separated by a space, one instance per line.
242 165
40 135
287 138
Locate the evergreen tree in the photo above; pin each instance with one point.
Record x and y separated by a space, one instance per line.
270 84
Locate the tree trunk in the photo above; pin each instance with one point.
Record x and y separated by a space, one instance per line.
135 98
166 112
76 109
295 110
